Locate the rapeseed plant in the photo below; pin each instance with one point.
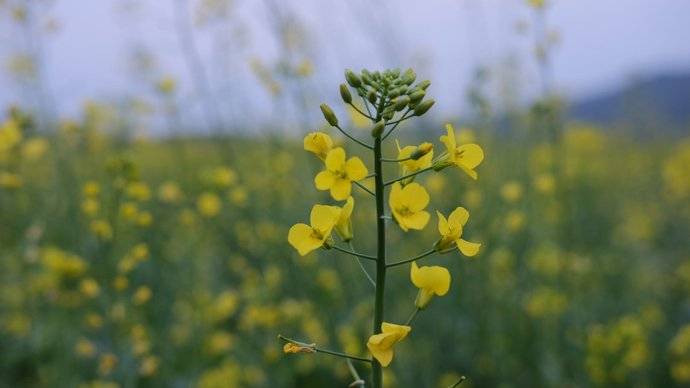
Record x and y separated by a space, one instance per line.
388 99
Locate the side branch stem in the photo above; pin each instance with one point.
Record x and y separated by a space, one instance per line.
321 350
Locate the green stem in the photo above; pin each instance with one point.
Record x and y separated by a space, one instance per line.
462 378
363 256
360 112
411 318
408 175
358 380
395 125
421 255
321 350
361 186
363 144
376 372
361 266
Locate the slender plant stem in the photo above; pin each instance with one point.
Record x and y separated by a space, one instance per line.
421 255
376 372
395 125
358 380
396 160
408 175
361 186
363 256
321 350
360 112
363 144
366 273
412 316
462 378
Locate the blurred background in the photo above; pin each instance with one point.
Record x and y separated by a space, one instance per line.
151 164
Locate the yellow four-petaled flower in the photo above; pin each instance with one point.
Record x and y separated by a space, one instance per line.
340 173
466 156
381 345
306 238
407 204
431 281
451 232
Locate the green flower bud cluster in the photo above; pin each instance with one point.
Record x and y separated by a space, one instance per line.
389 92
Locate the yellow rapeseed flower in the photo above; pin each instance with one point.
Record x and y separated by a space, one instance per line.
318 143
466 156
305 238
451 232
407 204
340 173
381 345
431 281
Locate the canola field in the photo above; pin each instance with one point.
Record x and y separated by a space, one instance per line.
128 261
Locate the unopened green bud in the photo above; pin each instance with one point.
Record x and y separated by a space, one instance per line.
394 93
387 115
371 96
423 107
366 77
378 128
408 77
424 84
329 115
352 78
345 93
417 96
401 102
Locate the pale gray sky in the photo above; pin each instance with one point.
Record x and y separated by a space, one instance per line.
602 43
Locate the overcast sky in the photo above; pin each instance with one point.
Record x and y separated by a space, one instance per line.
602 43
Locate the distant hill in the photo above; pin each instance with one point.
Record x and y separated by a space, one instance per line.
647 106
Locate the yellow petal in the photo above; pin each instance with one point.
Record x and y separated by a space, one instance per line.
400 331
323 218
301 238
335 160
471 155
434 279
416 220
467 248
459 217
443 227
346 211
341 189
355 169
324 180
384 355
415 197
395 196
449 140
319 143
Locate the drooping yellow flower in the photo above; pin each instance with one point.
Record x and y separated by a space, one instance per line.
409 164
407 204
381 345
344 224
466 156
318 143
431 281
305 238
451 232
339 174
